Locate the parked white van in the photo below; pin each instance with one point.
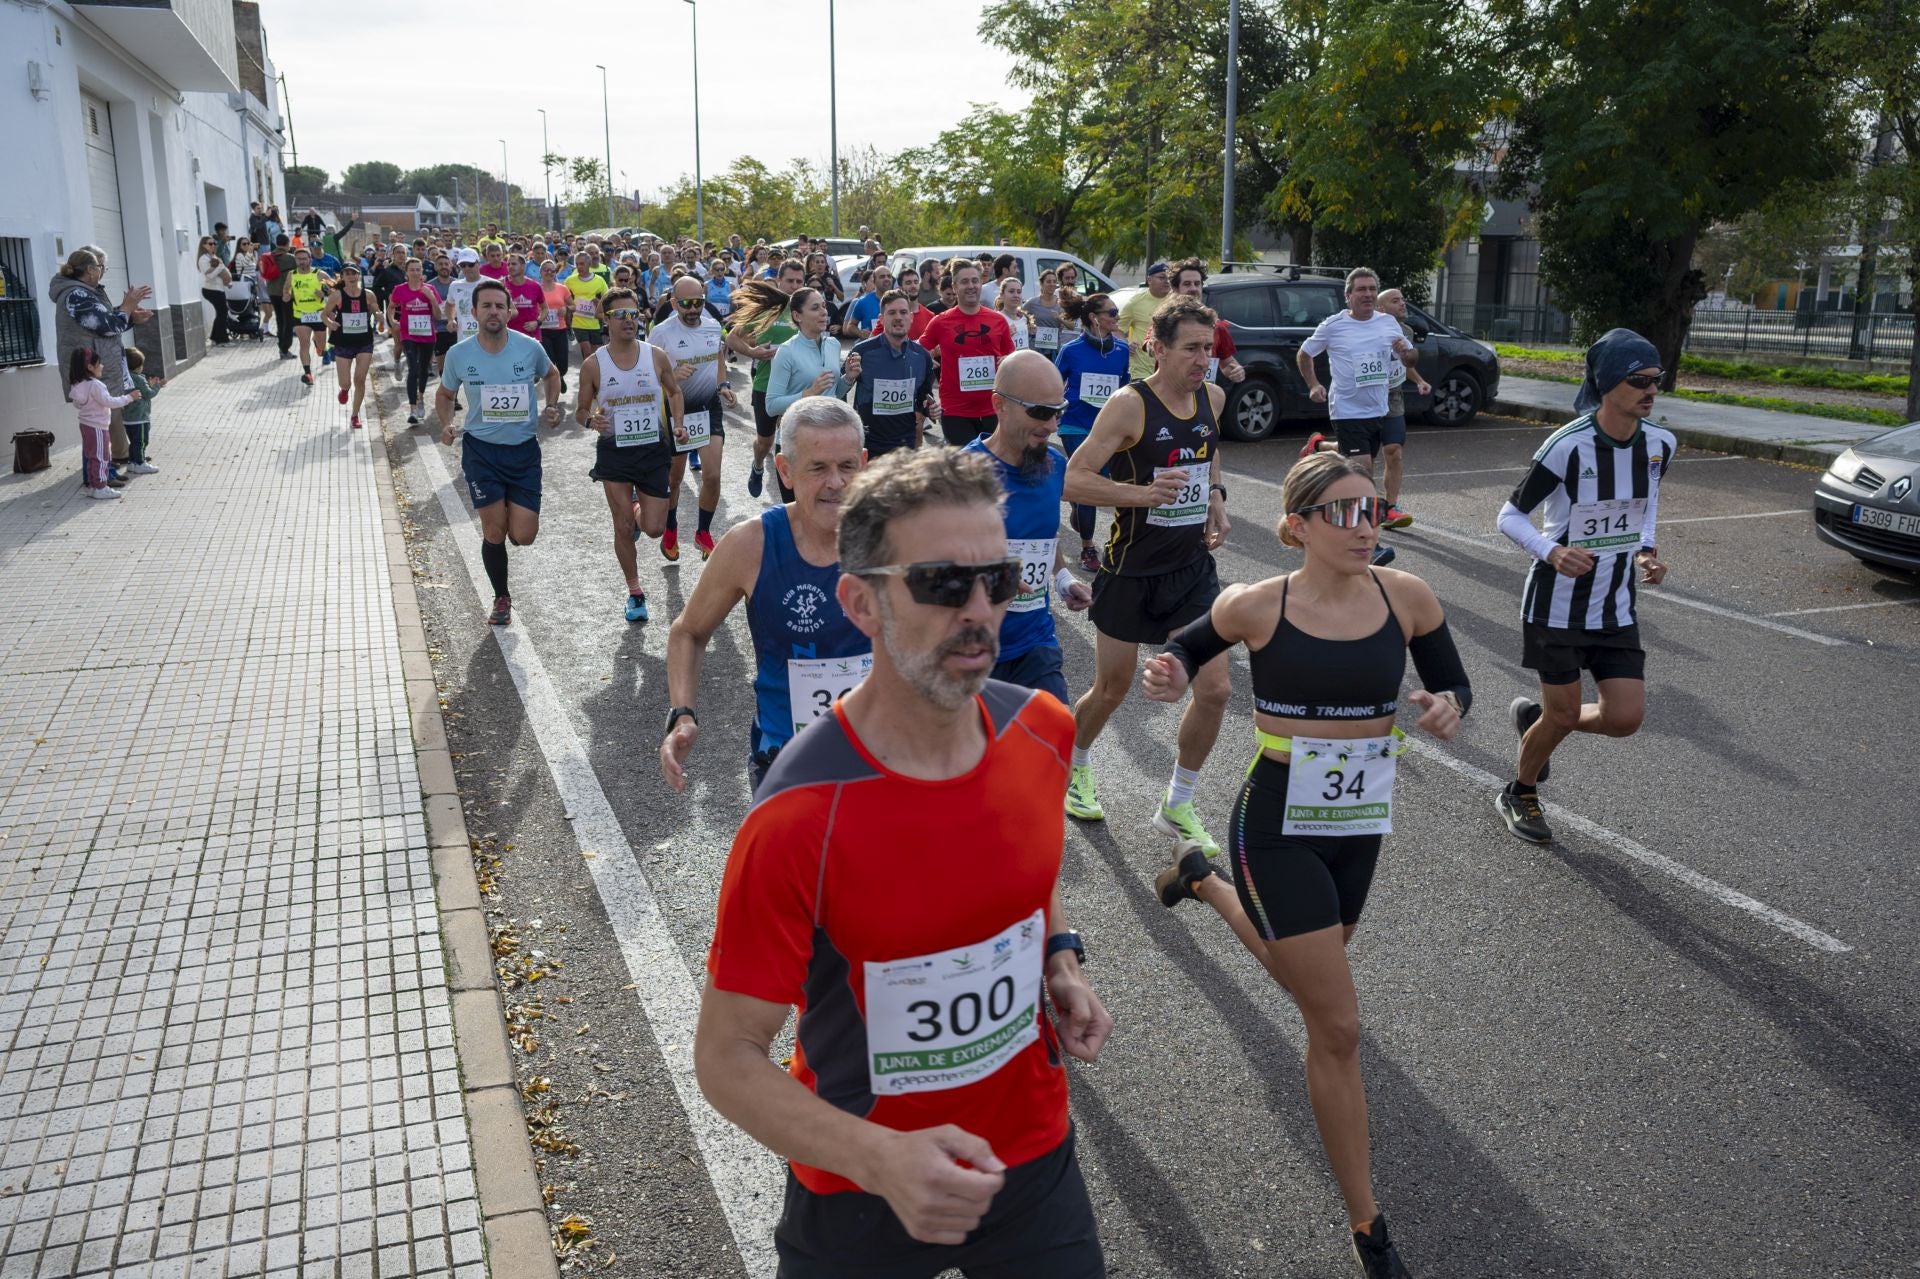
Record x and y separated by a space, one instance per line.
1028 262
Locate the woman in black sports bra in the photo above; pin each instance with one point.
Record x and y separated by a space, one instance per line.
1328 648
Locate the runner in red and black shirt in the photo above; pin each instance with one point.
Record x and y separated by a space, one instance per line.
927 1091
968 342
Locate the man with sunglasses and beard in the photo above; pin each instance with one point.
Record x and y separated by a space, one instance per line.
786 566
1597 482
629 394
692 338
1029 397
925 1122
1159 440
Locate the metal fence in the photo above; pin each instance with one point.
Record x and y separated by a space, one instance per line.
19 314
1883 336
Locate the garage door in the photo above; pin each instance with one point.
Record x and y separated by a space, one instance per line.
103 182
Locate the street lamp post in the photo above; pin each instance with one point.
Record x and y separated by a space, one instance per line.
699 191
1233 110
506 187
606 116
833 117
546 164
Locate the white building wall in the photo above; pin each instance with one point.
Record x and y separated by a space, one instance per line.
180 157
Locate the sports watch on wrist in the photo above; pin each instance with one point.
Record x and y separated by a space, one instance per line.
673 716
1069 940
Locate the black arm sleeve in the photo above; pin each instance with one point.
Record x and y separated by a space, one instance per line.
1438 662
1197 643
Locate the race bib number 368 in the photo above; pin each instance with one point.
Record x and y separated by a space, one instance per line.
950 1019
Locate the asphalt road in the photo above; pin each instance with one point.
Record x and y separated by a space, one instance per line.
1603 1057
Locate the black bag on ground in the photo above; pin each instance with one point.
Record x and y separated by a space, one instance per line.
30 450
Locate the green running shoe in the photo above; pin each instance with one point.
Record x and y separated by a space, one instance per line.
1183 823
1081 801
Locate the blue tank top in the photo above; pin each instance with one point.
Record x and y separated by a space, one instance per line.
1033 531
794 616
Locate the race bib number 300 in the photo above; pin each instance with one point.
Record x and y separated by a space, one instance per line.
1341 787
1189 505
950 1019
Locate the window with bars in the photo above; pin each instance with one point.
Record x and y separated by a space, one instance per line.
19 314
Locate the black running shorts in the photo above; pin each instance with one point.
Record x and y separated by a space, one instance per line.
1145 610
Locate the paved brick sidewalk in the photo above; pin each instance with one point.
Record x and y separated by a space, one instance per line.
226 1042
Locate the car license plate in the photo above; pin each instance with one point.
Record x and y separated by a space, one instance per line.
1895 521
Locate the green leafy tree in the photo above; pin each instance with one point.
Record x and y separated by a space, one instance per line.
1400 90
445 179
1641 126
304 180
371 177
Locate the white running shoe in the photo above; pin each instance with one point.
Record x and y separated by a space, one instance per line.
142 468
104 494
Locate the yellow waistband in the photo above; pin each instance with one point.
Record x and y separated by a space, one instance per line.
1271 742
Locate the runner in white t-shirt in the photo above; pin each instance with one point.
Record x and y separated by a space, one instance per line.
1361 344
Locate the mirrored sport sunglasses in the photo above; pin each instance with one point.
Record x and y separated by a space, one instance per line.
689 304
945 584
623 313
1038 412
1642 381
1349 512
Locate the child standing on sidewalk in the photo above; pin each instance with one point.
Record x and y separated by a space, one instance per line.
96 405
139 415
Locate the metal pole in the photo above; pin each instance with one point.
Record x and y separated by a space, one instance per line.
833 117
546 164
699 191
287 102
606 116
506 187
1233 110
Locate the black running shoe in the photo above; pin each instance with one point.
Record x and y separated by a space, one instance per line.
1523 713
1375 1252
1191 865
1523 815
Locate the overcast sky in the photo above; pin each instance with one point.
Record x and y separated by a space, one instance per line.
386 81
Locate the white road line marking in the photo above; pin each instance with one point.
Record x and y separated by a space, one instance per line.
1749 618
1499 545
1846 608
746 1176
1474 430
1756 515
1639 852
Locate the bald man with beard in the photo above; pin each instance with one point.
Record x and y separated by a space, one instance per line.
1028 399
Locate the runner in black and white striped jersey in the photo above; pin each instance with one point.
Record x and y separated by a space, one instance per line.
1596 482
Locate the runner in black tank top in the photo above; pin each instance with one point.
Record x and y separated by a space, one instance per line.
1159 439
351 316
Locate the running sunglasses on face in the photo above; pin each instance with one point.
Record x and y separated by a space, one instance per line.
624 313
689 304
1641 381
1349 512
945 584
1038 412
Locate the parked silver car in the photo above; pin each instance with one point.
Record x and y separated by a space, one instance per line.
1868 502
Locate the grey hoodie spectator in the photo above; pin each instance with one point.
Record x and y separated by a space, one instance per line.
84 317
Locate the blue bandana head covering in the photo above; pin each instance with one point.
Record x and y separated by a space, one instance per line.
1618 353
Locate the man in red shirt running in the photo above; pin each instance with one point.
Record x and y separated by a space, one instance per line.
925 1116
968 343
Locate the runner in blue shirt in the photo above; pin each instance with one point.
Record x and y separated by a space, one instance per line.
1027 397
896 381
502 373
1094 368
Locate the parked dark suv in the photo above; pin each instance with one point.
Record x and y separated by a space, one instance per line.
1271 314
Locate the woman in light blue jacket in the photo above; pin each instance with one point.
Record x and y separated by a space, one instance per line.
808 363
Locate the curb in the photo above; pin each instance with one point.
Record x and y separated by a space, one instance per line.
513 1213
1694 438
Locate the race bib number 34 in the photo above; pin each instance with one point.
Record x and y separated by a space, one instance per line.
1341 787
953 1018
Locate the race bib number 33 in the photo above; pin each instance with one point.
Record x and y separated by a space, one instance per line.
950 1019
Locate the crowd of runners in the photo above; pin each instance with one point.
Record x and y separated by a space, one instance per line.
899 586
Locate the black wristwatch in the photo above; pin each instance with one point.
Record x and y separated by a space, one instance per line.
1069 940
674 715
1221 489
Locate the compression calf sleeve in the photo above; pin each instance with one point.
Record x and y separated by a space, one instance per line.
494 556
1197 643
1438 662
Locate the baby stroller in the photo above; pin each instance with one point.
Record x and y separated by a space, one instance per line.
243 308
